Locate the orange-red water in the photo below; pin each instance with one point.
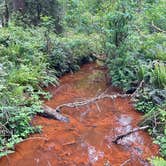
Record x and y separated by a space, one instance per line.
87 139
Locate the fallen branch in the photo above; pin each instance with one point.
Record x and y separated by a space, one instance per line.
33 138
69 143
128 133
138 88
157 28
89 101
50 112
123 164
55 113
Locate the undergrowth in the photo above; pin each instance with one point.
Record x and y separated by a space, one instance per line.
131 33
136 52
31 59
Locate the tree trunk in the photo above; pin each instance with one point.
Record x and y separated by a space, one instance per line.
6 14
19 5
38 9
2 21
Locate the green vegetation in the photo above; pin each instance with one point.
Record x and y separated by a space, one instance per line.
137 41
42 40
158 161
31 58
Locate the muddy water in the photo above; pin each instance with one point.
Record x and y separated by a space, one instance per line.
87 139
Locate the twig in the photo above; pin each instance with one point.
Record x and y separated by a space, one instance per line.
157 28
155 120
32 138
128 133
125 162
139 87
98 107
55 113
49 164
69 143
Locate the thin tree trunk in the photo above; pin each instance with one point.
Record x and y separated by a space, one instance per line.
19 5
6 14
38 8
2 21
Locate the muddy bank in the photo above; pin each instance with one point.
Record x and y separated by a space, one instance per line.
87 139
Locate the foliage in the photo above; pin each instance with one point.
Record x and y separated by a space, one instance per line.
158 161
32 55
23 72
82 16
69 53
159 75
139 54
30 59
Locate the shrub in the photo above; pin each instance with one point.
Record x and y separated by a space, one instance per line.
68 53
158 161
139 54
29 60
23 72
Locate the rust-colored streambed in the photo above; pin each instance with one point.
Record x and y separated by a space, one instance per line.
87 139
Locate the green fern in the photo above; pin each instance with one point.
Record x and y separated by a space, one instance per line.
159 75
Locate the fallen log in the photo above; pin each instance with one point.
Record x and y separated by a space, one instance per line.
52 113
128 133
55 113
89 101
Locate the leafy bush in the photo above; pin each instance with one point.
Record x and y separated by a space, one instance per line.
158 161
23 72
153 47
139 54
159 76
29 60
69 53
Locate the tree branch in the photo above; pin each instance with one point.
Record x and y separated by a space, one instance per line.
51 113
55 113
157 28
128 133
89 101
138 88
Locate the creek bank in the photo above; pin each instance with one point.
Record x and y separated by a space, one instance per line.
87 139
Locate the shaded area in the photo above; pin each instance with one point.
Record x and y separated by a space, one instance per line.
87 139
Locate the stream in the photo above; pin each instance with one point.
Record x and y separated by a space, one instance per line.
87 139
